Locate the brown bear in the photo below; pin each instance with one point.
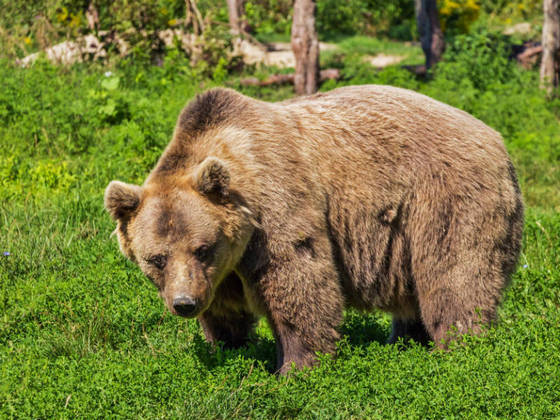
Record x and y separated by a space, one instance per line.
365 196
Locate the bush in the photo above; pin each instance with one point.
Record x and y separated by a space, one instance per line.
266 17
512 9
480 59
456 16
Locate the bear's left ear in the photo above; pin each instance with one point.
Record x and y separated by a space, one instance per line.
122 199
212 178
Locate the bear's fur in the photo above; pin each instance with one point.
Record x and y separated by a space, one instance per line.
365 197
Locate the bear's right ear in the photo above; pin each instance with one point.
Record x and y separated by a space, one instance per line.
122 199
212 178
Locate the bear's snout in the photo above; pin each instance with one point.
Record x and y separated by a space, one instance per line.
185 306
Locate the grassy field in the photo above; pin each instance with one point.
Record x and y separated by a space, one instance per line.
84 334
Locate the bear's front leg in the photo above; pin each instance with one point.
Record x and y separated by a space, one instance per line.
229 327
304 324
292 350
228 319
304 303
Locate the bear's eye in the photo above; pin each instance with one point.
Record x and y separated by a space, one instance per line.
158 261
202 253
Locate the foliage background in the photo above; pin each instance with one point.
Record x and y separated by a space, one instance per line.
28 26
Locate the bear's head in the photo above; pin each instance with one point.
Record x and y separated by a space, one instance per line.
186 232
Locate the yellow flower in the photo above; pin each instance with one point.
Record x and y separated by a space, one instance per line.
76 20
27 40
462 13
172 22
62 15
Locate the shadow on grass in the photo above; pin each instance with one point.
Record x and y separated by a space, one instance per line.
358 329
362 329
258 349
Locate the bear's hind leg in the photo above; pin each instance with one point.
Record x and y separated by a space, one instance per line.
462 254
447 315
408 329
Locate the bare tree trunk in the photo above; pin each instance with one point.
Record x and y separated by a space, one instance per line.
305 45
235 12
550 64
193 17
431 35
92 17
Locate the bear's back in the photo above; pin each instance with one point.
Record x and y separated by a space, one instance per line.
397 116
382 137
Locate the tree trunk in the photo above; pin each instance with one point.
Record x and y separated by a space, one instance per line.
550 64
431 35
92 17
305 45
235 12
193 17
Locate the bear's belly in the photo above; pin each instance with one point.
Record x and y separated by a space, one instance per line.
373 258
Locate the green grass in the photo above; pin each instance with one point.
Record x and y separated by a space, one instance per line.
84 334
363 45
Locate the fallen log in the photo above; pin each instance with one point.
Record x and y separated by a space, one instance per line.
530 56
284 79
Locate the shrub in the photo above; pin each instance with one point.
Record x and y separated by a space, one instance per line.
480 59
456 16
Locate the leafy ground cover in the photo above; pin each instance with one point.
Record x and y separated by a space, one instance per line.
83 333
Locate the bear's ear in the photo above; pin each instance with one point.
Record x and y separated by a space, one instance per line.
212 178
122 199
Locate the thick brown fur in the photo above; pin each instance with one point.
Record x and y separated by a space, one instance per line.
366 197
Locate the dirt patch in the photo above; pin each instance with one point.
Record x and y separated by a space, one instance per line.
383 60
277 54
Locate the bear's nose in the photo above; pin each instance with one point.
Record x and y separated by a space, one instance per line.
184 305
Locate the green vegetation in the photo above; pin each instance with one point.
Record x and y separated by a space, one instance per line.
26 27
84 334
